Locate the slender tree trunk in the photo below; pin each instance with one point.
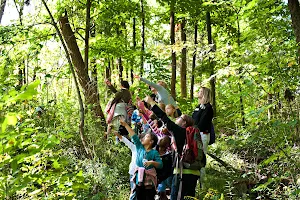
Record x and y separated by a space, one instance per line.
134 33
270 101
112 67
2 8
108 70
87 34
107 74
20 77
295 15
94 74
89 90
81 125
143 38
27 69
211 65
24 73
172 37
34 74
120 68
194 63
240 77
20 9
134 46
183 61
120 65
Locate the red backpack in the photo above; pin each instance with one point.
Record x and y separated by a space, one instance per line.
192 154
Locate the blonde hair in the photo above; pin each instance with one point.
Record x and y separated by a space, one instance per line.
162 83
206 95
175 115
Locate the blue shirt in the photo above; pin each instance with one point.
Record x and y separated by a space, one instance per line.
143 154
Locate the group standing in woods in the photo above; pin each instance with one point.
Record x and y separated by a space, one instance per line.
168 148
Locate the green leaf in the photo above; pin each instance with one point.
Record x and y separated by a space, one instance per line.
29 92
10 119
79 174
4 125
56 165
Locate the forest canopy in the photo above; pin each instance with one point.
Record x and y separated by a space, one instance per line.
55 56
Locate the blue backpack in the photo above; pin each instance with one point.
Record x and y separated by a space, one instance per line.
212 138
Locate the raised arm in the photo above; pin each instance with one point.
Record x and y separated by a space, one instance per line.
131 133
154 85
128 143
110 86
178 131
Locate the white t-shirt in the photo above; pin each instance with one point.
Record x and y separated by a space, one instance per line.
131 146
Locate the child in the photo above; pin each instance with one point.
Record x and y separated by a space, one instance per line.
171 112
137 121
164 175
187 178
132 165
147 160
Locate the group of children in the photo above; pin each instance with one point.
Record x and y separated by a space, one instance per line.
159 134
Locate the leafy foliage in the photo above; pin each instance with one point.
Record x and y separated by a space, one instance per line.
256 71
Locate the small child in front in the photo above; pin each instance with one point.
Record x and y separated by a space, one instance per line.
147 160
165 174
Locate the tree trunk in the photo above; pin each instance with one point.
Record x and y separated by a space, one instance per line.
120 65
24 73
2 8
211 65
183 61
143 38
89 89
87 34
295 15
134 46
194 63
94 74
172 37
240 77
81 124
120 68
20 77
108 70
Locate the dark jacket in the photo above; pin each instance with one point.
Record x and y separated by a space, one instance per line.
167 170
123 95
203 117
178 132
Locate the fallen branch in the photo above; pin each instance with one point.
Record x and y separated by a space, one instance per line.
223 163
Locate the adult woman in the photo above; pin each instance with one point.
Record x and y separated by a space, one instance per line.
203 115
178 128
121 99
